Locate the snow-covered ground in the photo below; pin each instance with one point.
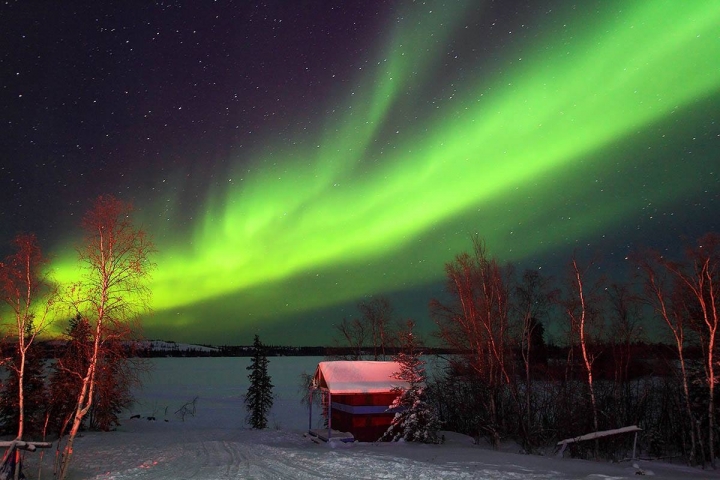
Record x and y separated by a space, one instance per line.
216 444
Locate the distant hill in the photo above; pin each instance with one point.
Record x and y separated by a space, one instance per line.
169 348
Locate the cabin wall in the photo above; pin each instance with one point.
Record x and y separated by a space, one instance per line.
363 415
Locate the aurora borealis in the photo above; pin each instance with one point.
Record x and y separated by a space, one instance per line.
290 161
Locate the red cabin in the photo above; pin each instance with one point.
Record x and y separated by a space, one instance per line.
359 394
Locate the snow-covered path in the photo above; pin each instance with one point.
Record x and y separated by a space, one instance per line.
160 451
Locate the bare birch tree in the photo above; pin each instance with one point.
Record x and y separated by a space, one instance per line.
625 327
699 279
662 296
115 257
353 333
624 330
376 314
372 325
475 322
29 294
534 297
577 306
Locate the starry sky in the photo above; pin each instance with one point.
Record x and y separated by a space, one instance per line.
292 158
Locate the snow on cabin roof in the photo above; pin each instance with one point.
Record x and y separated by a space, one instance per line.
357 376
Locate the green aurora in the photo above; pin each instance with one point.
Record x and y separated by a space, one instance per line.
540 152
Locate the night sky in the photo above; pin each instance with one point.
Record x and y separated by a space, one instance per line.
291 158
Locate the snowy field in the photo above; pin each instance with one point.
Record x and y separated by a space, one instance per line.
216 444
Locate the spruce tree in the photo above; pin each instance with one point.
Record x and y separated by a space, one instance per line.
415 420
112 391
65 381
35 392
259 397
114 379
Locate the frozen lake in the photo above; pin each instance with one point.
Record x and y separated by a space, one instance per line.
219 384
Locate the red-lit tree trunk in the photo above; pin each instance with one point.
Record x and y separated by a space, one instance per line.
577 308
660 296
116 260
476 322
23 284
701 279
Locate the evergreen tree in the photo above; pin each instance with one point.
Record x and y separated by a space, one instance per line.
415 420
259 397
65 381
35 393
111 392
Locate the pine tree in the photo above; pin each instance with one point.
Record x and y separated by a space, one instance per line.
415 420
259 397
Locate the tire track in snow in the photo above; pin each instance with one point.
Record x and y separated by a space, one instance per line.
267 462
233 465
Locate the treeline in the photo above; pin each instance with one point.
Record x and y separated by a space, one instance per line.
269 350
644 358
600 372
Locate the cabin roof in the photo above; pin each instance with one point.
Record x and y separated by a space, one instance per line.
357 377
